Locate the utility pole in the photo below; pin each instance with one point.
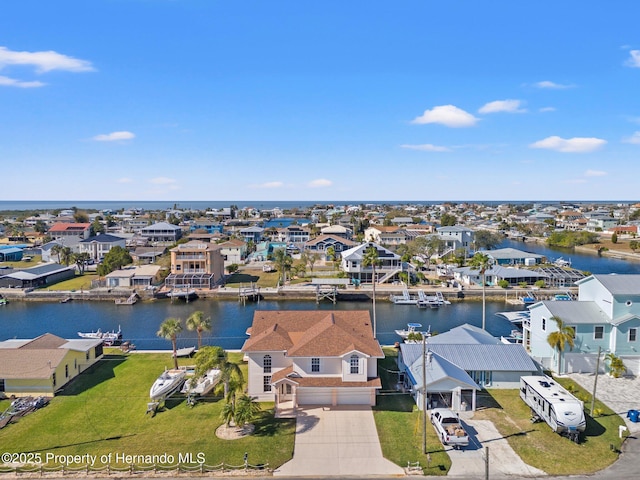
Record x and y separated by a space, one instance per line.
486 463
595 383
424 393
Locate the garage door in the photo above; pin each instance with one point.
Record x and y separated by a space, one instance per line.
354 396
313 396
344 396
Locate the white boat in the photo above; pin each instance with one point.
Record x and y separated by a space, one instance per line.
405 298
184 352
412 328
204 384
561 262
109 338
168 383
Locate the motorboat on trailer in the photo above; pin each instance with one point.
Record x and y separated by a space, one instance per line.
168 383
204 384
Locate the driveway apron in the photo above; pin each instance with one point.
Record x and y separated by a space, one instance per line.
337 441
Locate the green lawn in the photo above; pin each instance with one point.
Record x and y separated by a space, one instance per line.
538 446
399 425
103 411
79 282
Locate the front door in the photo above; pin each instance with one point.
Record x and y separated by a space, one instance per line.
286 392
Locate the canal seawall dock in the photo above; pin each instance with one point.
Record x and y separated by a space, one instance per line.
362 293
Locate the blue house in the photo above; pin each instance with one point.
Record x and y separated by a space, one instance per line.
10 254
606 316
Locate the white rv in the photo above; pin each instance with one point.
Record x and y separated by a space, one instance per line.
551 402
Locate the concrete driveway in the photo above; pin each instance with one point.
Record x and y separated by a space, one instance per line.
337 441
470 462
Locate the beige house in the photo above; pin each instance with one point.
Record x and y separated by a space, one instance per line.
233 251
313 358
141 276
44 365
195 264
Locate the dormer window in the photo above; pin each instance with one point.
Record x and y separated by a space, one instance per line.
315 365
354 363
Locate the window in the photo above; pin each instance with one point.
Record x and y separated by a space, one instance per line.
266 364
315 364
53 377
87 355
2 387
544 324
633 334
66 371
598 332
266 383
354 363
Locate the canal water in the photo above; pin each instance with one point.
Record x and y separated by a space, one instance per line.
230 319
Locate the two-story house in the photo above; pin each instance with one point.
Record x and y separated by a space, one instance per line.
77 231
313 357
456 237
99 245
322 243
388 269
233 251
162 232
606 316
195 265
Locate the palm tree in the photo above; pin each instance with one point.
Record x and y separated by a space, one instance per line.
482 263
169 330
246 410
284 262
56 250
197 321
616 365
561 337
65 255
371 259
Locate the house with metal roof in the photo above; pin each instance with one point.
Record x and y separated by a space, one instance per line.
513 256
44 365
605 317
162 232
469 357
36 277
10 254
497 273
388 269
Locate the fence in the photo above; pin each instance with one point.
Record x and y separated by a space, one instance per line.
132 469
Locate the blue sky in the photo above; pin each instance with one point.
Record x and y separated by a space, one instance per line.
333 100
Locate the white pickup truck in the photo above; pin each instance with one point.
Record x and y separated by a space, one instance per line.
449 428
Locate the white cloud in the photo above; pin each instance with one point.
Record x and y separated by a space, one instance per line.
114 136
509 106
448 115
426 147
320 183
270 185
594 173
552 85
44 61
634 60
634 139
547 109
163 181
10 82
125 180
570 145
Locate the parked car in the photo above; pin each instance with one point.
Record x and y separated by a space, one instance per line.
449 428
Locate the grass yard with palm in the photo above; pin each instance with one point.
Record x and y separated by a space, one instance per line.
103 411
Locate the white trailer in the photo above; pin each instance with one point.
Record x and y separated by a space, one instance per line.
552 403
